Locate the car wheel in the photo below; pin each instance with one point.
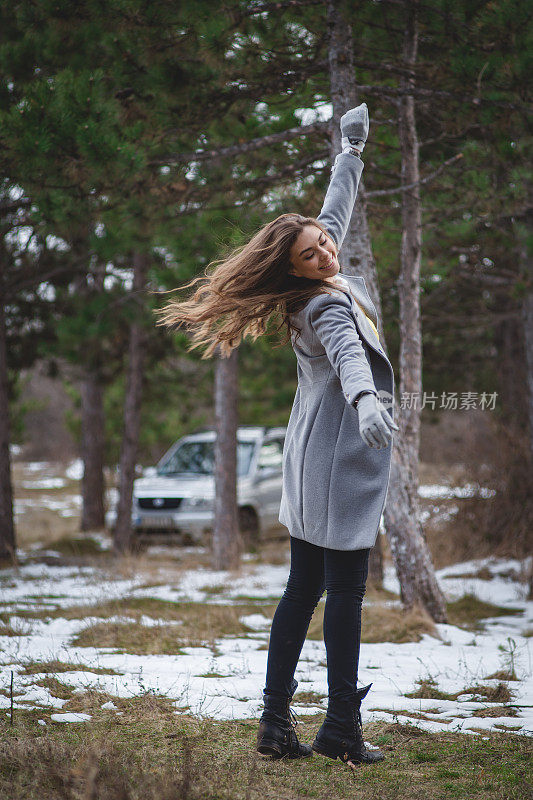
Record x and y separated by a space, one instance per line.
249 527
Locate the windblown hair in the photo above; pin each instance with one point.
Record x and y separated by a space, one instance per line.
241 292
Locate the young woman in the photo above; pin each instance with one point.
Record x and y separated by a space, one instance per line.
336 459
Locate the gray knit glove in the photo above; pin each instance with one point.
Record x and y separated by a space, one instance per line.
354 129
374 425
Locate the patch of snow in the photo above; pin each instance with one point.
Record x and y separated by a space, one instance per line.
256 621
44 483
458 660
434 491
320 113
66 506
75 470
70 717
36 466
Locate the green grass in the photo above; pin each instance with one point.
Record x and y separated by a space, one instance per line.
468 611
150 752
76 546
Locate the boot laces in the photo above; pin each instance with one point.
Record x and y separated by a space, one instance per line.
293 719
358 722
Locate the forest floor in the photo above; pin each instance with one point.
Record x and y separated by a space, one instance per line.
163 651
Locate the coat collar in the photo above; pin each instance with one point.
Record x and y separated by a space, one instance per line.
357 286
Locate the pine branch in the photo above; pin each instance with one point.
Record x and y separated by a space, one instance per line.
15 205
257 186
447 136
252 9
432 94
244 147
407 186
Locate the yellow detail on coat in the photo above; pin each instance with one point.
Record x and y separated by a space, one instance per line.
368 318
344 283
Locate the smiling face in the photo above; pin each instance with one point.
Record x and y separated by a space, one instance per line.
313 255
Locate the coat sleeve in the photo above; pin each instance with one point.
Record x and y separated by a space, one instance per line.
340 197
331 319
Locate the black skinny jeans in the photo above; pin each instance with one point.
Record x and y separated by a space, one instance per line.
343 574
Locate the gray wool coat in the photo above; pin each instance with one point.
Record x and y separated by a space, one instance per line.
334 485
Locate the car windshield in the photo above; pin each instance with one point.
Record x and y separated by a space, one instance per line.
198 458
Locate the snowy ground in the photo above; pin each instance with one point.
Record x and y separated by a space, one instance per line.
460 659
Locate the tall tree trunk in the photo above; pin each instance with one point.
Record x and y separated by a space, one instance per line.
7 525
92 411
412 558
132 408
356 255
227 545
526 266
527 318
92 453
409 550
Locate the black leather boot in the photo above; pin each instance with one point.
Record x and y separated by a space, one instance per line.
276 736
341 733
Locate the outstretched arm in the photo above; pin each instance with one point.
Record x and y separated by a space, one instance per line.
345 174
340 198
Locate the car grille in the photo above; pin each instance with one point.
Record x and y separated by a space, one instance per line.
159 503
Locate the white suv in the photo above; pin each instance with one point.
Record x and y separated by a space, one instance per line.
177 496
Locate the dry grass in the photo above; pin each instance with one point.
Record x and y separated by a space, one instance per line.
133 638
56 687
494 694
411 714
9 630
43 526
394 624
495 711
57 667
78 546
383 624
200 625
147 705
39 524
503 675
309 698
151 753
428 690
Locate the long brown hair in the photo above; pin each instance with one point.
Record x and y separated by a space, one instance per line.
242 291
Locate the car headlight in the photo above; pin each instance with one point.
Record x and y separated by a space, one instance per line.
197 504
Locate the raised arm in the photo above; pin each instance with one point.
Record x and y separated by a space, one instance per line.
340 197
345 174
